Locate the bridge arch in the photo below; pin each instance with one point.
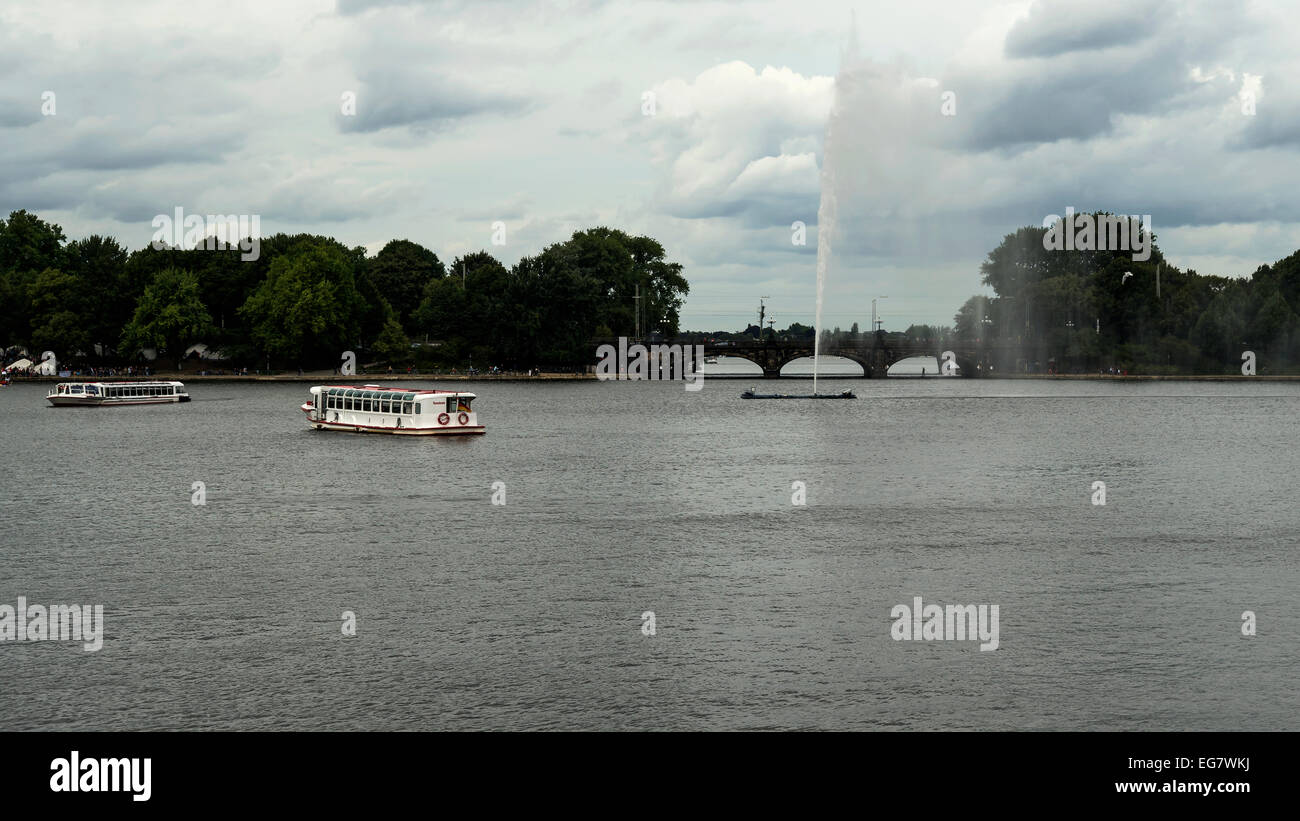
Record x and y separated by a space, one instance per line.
841 364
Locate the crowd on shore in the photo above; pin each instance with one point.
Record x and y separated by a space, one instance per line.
129 370
135 371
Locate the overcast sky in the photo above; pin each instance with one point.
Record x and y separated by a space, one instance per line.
533 114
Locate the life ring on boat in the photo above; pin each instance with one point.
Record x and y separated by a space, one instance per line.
443 419
463 418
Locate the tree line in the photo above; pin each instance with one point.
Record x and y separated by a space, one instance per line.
307 298
1083 311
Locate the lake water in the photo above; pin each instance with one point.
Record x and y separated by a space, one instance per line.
623 498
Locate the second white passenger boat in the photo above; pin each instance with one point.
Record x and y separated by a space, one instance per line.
404 411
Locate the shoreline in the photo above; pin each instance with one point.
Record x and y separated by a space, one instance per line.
314 378
365 379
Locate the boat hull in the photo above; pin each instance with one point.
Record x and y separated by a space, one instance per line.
358 427
455 430
91 401
844 395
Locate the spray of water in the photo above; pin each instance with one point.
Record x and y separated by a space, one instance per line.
826 208
825 228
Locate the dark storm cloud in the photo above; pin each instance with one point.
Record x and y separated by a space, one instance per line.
1060 26
1065 103
116 147
1276 124
1057 89
17 112
422 100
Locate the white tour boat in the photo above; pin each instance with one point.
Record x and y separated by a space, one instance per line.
116 393
372 409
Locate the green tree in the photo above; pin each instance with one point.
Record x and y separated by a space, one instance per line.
169 316
1273 324
969 321
1219 331
400 273
98 263
308 309
59 308
28 243
28 246
393 346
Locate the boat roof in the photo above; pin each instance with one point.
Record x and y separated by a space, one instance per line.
394 390
127 382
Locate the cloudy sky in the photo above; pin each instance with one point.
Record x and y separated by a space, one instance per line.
702 124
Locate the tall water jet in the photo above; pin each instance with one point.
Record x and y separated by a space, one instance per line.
826 208
825 228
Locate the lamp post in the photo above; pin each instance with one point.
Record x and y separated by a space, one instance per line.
874 322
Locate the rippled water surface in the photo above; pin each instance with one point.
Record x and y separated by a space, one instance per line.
628 497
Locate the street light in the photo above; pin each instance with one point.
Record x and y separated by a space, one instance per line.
874 322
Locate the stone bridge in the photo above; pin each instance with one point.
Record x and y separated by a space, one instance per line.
874 352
